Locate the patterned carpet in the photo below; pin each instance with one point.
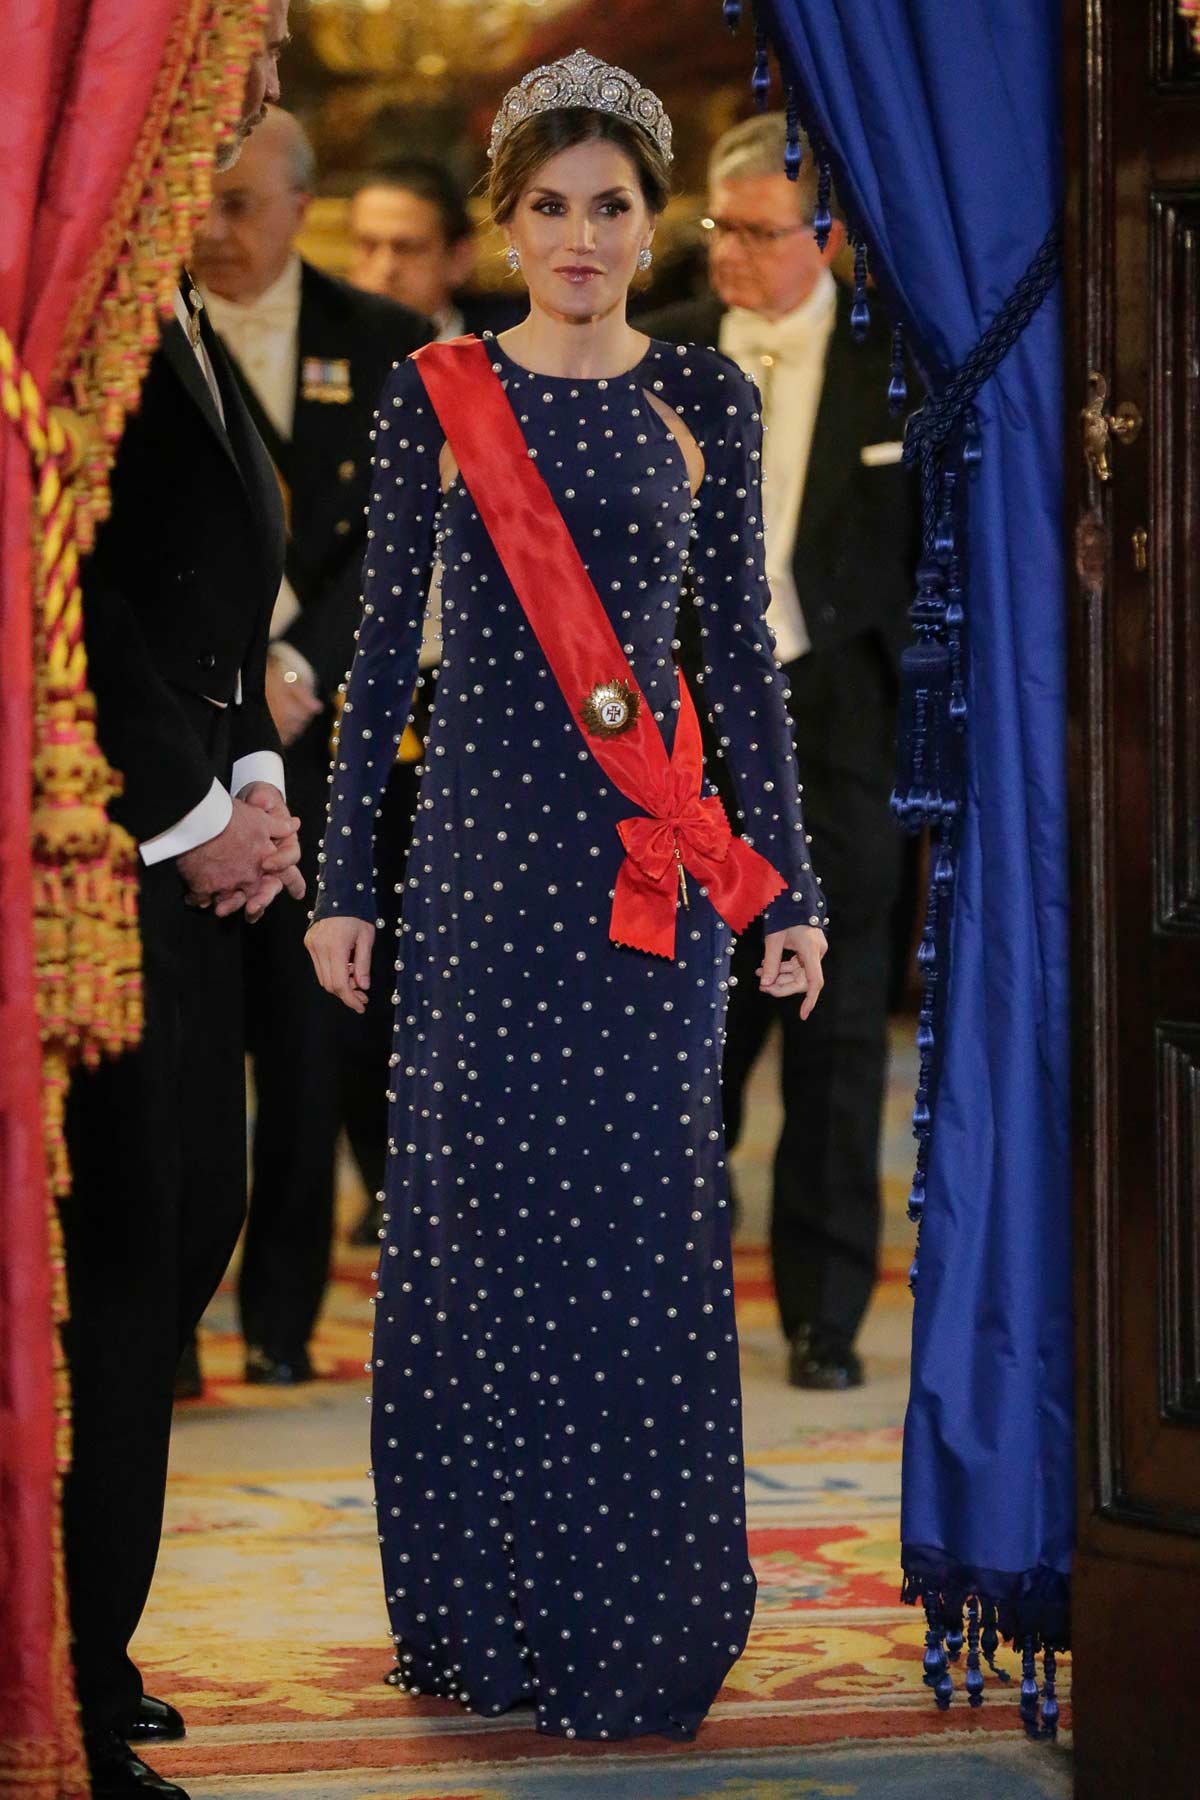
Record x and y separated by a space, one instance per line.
267 1624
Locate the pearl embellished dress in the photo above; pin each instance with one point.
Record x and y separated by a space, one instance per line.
556 1432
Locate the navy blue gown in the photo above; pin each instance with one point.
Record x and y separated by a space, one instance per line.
556 1434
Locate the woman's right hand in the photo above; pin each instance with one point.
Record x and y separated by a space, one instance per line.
341 953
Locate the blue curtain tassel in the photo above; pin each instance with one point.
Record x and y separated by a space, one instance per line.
1049 1696
760 81
972 450
1029 1687
916 1201
733 13
990 1639
925 1031
793 154
954 1638
897 386
822 216
860 312
974 1675
935 1656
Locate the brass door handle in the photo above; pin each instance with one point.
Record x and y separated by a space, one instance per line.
1098 426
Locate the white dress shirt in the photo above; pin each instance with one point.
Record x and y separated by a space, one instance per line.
786 357
263 336
210 817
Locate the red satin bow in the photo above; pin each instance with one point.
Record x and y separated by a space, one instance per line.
686 830
568 618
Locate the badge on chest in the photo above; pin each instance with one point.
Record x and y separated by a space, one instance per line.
611 708
326 380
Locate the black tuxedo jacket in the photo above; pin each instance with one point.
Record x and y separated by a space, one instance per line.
857 539
326 465
178 591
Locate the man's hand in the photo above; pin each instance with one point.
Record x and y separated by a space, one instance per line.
799 973
291 698
280 870
234 862
341 953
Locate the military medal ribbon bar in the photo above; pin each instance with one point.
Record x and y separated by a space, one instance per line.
682 828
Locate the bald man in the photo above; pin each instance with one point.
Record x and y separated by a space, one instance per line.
311 355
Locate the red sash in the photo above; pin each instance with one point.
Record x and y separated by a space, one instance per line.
682 829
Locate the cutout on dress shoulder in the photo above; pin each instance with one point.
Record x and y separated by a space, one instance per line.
693 456
447 468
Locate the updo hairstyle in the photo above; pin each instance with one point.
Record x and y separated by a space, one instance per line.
545 134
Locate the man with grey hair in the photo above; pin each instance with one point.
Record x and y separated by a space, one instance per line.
839 521
310 355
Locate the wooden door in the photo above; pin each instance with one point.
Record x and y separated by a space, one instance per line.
1133 263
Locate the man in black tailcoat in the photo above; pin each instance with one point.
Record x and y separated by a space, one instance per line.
311 355
177 602
840 529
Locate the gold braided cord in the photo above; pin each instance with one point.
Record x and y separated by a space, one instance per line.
85 867
1190 10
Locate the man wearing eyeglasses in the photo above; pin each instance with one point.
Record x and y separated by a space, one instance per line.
840 526
310 355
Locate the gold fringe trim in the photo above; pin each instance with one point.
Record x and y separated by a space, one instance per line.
1190 10
85 868
32 1769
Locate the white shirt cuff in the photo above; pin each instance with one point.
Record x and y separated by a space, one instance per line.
260 765
208 820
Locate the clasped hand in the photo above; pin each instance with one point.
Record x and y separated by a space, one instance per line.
249 863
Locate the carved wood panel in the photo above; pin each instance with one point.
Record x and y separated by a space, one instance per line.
1133 285
1179 1213
1175 56
1175 540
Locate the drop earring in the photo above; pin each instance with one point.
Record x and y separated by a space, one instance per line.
645 258
513 259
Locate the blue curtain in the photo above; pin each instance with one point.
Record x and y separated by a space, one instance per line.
941 122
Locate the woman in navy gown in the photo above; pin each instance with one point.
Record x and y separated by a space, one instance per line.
557 1436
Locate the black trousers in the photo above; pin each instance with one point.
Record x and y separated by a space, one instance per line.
825 1209
317 1066
157 1142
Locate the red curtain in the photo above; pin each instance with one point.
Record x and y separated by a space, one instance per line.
109 113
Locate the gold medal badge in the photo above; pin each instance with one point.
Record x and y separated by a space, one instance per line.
611 708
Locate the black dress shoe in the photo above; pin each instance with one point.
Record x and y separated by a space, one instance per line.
824 1360
155 1722
189 1378
265 1370
118 1773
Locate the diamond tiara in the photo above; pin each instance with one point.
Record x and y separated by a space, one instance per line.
582 80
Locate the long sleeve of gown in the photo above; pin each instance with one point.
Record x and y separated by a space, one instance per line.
401 520
743 687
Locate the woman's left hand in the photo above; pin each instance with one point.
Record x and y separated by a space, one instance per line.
782 977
